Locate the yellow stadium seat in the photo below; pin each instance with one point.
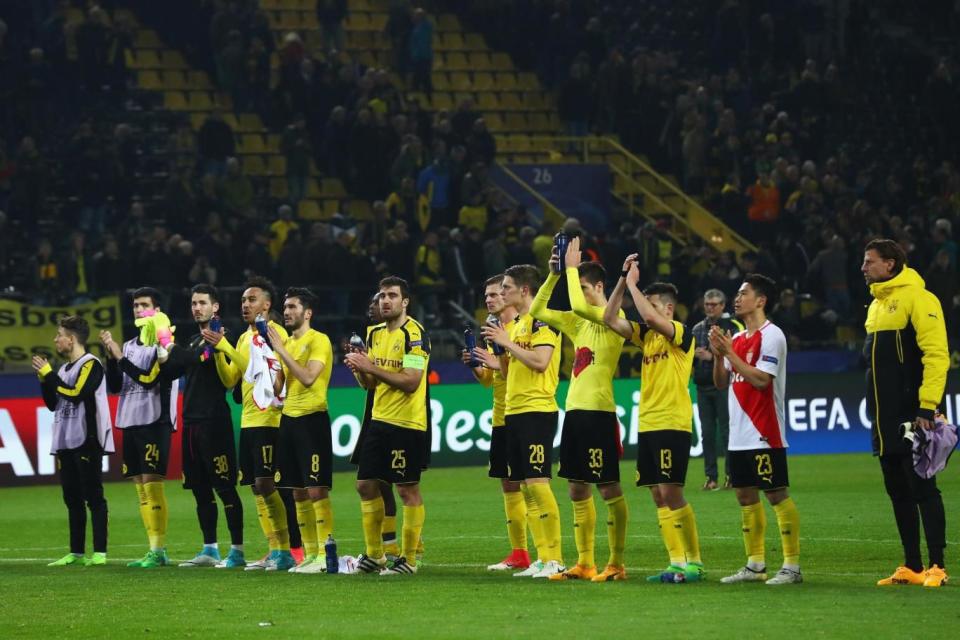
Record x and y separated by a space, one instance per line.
222 100
483 81
174 101
536 100
146 39
272 143
506 81
539 123
515 122
330 208
474 42
528 81
309 210
231 120
170 59
252 143
487 101
453 40
249 122
456 61
460 81
494 121
199 101
501 61
448 22
442 101
378 22
510 101
358 22
277 165
360 209
197 80
144 59
253 165
333 187
480 61
441 81
174 79
150 80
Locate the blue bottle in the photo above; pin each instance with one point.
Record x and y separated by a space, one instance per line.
356 342
470 341
215 326
497 349
330 550
560 241
262 328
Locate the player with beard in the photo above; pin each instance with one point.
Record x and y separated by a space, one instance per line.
209 450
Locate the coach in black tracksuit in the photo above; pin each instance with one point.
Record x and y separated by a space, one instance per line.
907 356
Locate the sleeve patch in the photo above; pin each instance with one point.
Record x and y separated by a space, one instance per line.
416 343
412 361
537 324
770 359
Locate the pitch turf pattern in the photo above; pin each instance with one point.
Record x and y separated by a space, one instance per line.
848 541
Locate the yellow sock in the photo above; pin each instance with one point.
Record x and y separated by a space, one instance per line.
533 522
388 533
754 520
671 538
412 528
549 520
617 529
372 516
307 523
323 521
264 521
788 519
144 511
277 516
157 503
516 510
584 530
685 523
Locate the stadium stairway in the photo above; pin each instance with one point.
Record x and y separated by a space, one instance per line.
190 91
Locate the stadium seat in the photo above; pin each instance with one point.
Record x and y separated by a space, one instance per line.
474 42
488 101
278 188
528 81
333 187
455 61
309 210
494 121
539 122
150 80
174 79
249 122
510 101
174 101
453 41
360 209
442 101
272 141
515 122
460 81
480 61
143 59
170 59
277 165
448 22
146 39
253 165
483 81
197 80
536 100
330 208
506 81
252 143
441 81
358 22
199 101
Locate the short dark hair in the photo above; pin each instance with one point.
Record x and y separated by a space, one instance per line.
397 281
592 272
667 292
77 326
148 292
497 279
763 286
888 250
304 295
208 289
262 283
524 275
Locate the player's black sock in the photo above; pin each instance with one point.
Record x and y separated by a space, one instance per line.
206 513
98 517
292 525
233 510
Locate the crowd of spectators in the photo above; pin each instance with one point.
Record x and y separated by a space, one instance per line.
809 127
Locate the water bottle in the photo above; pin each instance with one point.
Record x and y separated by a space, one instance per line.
330 550
497 349
356 342
261 325
470 341
560 241
215 326
674 577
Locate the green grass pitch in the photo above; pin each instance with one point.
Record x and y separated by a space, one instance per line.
848 542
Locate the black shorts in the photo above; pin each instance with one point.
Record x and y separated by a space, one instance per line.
662 457
588 447
499 459
305 451
765 469
530 444
209 454
367 410
391 454
257 453
146 449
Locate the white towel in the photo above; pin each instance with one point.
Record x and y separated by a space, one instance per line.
261 373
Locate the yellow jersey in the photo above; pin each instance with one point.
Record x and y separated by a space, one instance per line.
406 347
664 378
529 390
301 400
251 416
596 347
499 384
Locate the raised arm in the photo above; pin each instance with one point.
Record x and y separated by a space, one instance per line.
611 313
538 309
651 317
